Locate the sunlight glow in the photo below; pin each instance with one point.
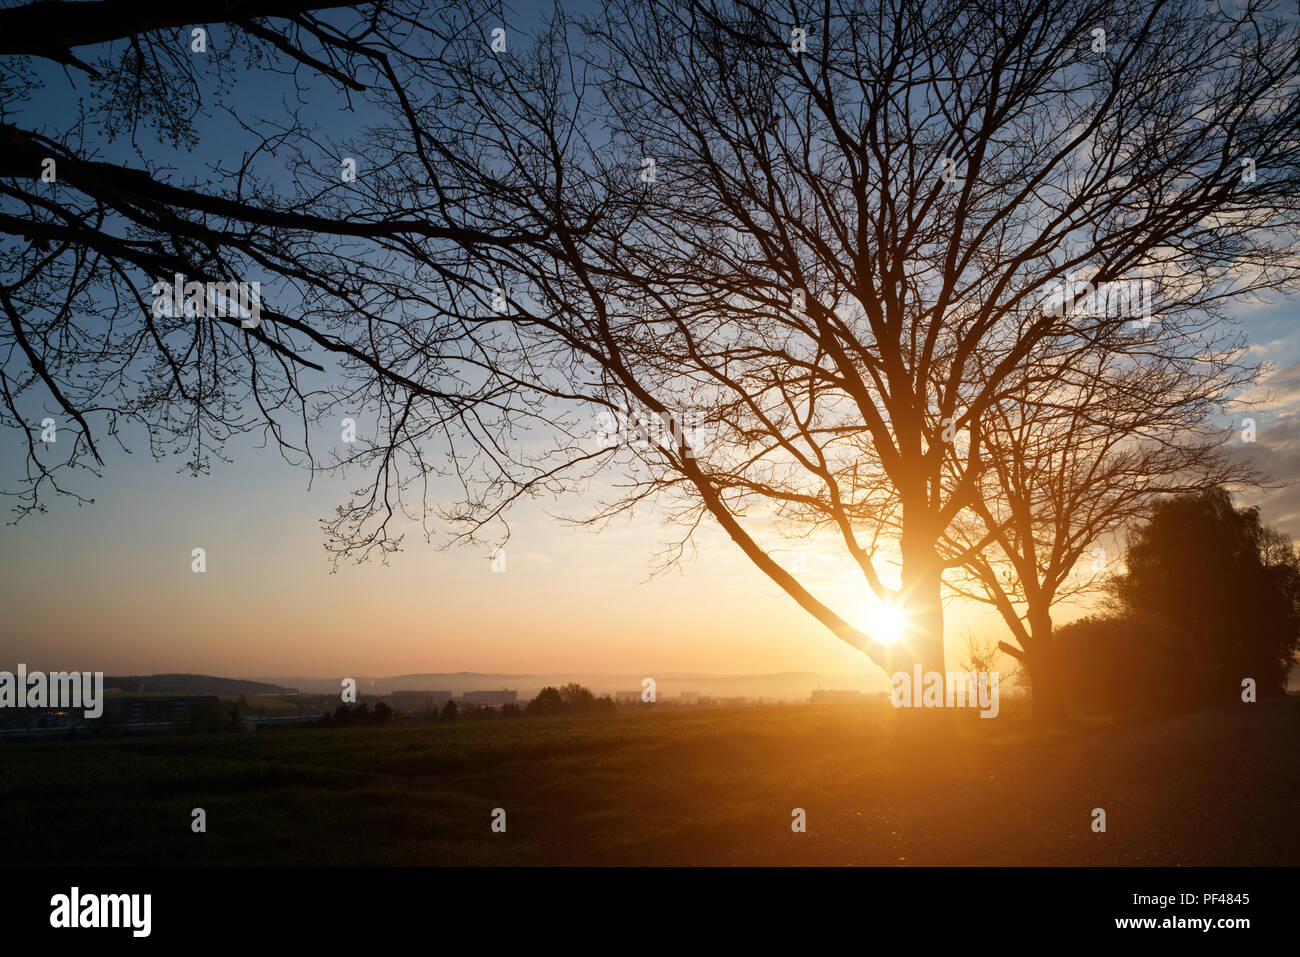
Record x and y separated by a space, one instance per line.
884 622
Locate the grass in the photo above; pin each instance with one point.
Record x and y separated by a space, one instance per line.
661 787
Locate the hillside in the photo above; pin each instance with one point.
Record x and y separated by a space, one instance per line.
189 684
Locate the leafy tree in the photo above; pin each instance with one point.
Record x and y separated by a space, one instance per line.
577 699
1123 665
548 701
1227 581
449 711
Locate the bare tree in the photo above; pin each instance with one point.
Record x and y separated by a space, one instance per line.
982 654
845 257
85 233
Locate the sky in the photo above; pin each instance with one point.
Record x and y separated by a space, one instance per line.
109 586
113 582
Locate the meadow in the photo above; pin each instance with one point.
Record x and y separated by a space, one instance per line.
683 786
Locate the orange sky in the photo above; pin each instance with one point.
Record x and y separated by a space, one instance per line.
109 587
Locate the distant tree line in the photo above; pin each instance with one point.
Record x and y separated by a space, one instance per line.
345 717
571 698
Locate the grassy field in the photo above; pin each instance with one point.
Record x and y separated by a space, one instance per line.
671 787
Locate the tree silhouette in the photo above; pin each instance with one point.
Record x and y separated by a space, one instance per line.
1074 458
778 282
577 699
78 330
548 701
849 259
1227 581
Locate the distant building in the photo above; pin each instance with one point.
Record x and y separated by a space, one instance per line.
155 709
832 696
690 697
260 722
492 699
419 700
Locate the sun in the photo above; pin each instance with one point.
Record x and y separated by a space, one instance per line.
884 622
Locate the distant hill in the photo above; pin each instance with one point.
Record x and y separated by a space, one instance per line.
189 684
791 685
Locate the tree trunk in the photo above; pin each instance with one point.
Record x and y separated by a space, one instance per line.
1046 672
922 644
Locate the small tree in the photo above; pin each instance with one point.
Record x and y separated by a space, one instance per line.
983 655
577 699
449 711
548 701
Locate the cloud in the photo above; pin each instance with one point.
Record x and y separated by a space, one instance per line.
1278 394
1276 453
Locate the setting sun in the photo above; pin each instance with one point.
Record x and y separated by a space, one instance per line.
884 621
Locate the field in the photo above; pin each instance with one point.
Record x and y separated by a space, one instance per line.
691 786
